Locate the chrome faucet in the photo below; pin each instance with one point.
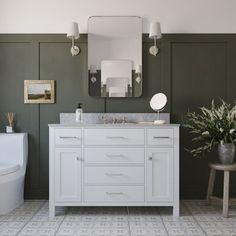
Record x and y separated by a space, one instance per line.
124 120
114 120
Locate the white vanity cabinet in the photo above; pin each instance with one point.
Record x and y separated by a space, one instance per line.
114 165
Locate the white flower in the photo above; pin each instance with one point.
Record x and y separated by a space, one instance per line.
221 130
205 133
231 131
233 113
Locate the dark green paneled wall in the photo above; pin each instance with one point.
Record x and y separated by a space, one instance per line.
190 69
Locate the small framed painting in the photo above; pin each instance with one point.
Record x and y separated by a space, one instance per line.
39 91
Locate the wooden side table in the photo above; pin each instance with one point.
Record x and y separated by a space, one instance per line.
220 167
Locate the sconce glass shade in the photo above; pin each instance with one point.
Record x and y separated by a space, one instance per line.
155 30
73 31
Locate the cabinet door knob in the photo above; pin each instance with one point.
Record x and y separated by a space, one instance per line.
150 158
78 159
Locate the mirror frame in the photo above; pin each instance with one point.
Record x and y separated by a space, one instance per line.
156 97
94 76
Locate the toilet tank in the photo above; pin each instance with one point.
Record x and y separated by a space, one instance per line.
14 148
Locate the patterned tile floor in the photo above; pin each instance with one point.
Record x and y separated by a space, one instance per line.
197 218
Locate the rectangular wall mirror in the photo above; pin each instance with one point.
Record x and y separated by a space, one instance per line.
115 56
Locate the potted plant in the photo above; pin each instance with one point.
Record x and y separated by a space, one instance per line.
10 119
214 126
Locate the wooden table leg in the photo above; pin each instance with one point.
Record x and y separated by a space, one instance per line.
211 184
226 194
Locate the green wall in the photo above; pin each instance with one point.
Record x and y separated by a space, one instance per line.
190 69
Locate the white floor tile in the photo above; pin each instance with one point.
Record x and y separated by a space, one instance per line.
197 218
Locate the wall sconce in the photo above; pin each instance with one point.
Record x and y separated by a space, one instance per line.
73 34
155 33
138 71
93 70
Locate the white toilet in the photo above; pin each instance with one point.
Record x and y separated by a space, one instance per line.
13 161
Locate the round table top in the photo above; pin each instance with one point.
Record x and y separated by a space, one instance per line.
223 167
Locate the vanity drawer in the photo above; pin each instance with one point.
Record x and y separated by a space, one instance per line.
160 136
114 194
111 155
68 137
114 136
114 175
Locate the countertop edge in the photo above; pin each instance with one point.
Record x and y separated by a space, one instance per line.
113 125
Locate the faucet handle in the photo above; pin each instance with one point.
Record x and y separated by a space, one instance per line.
124 119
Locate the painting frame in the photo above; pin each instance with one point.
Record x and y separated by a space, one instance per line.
32 94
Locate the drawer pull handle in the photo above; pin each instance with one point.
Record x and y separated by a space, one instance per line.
69 137
150 158
114 193
114 175
160 137
115 137
111 155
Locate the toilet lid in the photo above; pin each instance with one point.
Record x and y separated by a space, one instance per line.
7 168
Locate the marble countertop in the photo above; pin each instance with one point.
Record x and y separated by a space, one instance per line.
120 125
133 120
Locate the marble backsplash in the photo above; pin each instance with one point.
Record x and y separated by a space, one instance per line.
94 118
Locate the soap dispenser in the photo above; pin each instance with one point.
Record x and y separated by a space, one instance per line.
79 114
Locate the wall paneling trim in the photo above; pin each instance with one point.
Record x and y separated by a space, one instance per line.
191 69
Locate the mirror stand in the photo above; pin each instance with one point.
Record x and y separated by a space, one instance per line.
158 121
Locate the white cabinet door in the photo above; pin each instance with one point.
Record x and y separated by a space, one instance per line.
68 175
160 174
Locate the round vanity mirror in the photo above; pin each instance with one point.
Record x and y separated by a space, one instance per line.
158 103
